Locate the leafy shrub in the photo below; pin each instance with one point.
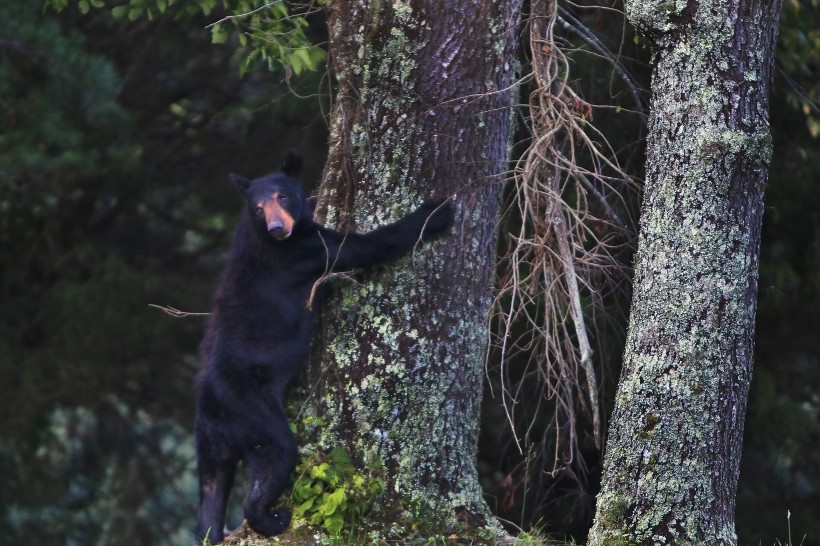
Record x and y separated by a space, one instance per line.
329 491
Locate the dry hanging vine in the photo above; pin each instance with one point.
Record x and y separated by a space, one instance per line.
562 254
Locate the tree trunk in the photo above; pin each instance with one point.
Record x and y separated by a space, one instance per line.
423 109
671 465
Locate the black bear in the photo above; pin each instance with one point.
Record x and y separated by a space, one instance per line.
258 336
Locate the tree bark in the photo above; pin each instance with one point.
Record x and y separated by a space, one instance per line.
672 458
423 109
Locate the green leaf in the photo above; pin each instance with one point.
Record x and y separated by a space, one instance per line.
249 63
83 6
219 34
333 502
296 64
303 489
318 55
376 486
207 6
334 524
358 481
333 477
119 12
307 59
339 455
320 471
135 12
279 11
303 508
56 5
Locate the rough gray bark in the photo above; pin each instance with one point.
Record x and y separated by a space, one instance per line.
672 458
422 109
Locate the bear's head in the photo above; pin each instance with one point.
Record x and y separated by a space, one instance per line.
275 201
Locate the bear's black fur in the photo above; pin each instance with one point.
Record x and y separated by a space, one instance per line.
258 337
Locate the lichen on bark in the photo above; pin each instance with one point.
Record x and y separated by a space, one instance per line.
674 444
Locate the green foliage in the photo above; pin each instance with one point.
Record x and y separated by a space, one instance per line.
51 128
273 33
134 9
798 55
97 489
329 491
780 467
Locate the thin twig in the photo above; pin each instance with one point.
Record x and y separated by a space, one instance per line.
239 15
176 313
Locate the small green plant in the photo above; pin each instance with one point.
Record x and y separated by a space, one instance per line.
329 491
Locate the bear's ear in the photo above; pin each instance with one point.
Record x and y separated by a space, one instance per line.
240 181
292 165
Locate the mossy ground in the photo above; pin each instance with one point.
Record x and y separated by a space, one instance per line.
306 536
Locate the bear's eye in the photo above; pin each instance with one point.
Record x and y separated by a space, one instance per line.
260 212
284 197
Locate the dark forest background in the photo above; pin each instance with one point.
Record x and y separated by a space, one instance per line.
116 140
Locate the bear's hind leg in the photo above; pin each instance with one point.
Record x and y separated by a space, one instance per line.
270 468
216 472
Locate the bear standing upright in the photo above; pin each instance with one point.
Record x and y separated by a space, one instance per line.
258 338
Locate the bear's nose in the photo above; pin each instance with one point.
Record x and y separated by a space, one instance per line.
277 229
